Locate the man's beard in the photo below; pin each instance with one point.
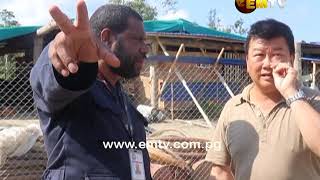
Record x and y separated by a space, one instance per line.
127 68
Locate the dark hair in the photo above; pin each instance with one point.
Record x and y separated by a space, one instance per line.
114 17
268 29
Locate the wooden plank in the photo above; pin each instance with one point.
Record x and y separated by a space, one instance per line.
297 60
314 71
212 45
172 115
184 83
37 49
172 66
154 78
220 76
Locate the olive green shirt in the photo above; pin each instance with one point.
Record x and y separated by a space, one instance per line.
263 147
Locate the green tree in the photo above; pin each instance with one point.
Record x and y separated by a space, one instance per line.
214 20
215 23
7 62
7 18
147 11
141 6
238 27
169 5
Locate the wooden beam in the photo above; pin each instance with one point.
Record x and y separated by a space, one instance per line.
52 25
219 75
202 44
154 77
220 55
171 67
194 37
162 47
172 108
182 80
37 48
184 83
297 60
314 70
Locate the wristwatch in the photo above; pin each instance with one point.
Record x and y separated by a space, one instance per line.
299 95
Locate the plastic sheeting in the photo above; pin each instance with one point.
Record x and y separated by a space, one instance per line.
16 141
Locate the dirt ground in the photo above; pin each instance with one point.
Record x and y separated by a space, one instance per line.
196 128
191 128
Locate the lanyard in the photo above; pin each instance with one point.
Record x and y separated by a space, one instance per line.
128 115
122 98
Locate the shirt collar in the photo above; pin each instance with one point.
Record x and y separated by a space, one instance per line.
245 95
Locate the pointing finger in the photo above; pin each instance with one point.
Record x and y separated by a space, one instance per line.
61 19
82 15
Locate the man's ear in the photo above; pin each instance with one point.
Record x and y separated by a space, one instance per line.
107 37
292 56
246 57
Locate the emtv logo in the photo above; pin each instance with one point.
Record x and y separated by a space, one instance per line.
248 6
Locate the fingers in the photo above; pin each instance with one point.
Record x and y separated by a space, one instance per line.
82 15
281 69
62 56
106 55
56 61
64 51
62 20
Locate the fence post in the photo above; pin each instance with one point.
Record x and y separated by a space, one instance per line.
314 70
297 60
38 44
154 77
172 116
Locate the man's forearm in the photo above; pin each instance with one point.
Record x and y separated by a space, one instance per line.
308 121
52 92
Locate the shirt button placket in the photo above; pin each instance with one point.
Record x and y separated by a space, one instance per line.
263 125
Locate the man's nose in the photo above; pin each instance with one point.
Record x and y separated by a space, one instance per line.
267 62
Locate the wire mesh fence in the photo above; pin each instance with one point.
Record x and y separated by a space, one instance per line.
311 74
177 116
201 82
16 101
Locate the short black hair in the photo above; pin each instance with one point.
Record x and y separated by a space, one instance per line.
114 17
268 29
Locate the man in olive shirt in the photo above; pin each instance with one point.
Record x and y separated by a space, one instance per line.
271 130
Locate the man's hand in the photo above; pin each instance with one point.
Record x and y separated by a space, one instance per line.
285 79
221 173
76 42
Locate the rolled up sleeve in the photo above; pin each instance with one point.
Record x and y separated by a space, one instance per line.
218 152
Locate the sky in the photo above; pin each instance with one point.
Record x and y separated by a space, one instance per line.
302 16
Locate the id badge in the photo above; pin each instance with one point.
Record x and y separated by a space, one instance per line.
136 164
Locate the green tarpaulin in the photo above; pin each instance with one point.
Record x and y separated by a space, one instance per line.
11 32
186 27
164 26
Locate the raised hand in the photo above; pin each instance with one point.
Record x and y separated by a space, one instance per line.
285 79
76 42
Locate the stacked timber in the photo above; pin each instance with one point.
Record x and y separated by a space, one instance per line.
168 161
